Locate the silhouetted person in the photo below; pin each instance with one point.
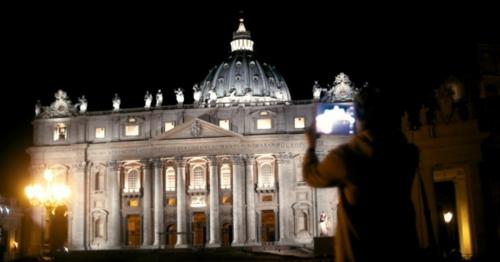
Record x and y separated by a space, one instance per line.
374 172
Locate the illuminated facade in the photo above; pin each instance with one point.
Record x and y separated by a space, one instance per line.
224 171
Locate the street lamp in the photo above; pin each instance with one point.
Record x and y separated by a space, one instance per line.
49 195
448 216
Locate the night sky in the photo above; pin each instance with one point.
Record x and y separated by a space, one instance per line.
102 50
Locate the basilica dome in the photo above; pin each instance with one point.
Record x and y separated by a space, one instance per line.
241 78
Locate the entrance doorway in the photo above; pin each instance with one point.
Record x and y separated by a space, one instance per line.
199 229
58 229
268 229
227 234
133 231
171 235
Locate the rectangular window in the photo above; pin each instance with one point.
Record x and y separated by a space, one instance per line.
226 200
225 177
224 124
267 198
299 122
264 123
100 132
171 202
168 126
170 179
133 203
131 130
60 132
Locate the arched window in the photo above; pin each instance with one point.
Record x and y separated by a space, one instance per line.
133 181
198 178
170 179
225 177
266 176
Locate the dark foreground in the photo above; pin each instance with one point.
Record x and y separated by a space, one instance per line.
192 254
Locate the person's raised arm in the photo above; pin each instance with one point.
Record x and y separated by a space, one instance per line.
329 172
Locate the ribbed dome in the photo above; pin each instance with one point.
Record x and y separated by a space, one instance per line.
241 78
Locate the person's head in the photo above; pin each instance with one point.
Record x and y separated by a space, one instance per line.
376 111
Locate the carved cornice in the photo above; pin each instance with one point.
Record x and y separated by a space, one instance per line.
80 166
114 165
250 159
283 157
180 161
212 160
146 163
237 160
158 163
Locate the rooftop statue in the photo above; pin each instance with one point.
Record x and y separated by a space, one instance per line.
116 103
148 98
317 90
179 95
159 98
38 107
196 93
212 96
82 104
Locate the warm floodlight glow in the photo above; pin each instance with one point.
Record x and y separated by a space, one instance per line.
448 216
50 195
338 120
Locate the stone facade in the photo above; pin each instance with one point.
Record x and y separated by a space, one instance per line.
263 167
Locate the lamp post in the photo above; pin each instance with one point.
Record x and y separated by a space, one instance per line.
49 194
448 217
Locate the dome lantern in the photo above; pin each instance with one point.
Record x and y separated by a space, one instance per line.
241 39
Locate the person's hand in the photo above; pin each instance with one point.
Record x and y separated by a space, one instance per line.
311 135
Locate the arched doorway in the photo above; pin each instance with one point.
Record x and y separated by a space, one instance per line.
58 229
171 235
199 229
227 234
268 222
133 230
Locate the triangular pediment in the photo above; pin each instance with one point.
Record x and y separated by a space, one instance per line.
196 128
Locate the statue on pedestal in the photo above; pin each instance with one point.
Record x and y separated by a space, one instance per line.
82 104
179 95
148 98
196 94
38 107
323 224
159 98
116 103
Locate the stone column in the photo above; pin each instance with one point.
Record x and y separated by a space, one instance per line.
214 203
250 194
147 234
159 238
239 226
181 204
77 209
284 181
114 205
425 182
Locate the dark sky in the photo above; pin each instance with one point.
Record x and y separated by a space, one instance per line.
101 50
